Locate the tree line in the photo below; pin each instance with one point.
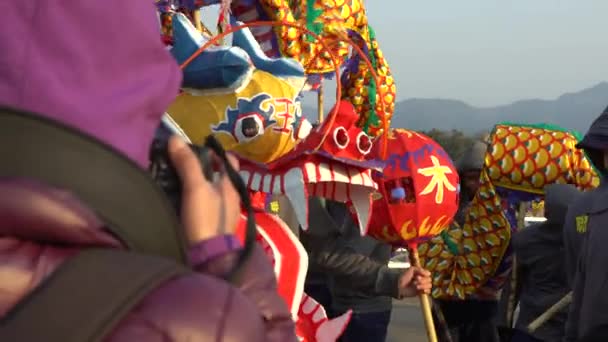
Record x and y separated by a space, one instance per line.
454 142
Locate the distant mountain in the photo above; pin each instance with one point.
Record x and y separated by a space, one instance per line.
571 110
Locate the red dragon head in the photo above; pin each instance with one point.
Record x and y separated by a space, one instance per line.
331 161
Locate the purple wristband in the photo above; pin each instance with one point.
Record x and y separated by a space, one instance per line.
212 248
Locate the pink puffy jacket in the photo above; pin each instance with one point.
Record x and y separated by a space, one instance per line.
41 227
100 67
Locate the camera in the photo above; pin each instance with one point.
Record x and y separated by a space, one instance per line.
161 169
164 173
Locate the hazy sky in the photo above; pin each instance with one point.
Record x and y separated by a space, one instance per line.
490 52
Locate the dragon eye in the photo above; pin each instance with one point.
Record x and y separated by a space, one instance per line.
248 127
364 143
341 137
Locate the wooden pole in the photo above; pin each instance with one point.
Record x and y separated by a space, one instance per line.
555 308
521 215
196 17
425 302
512 300
320 102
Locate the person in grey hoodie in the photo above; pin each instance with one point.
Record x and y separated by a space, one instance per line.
469 167
540 268
348 271
589 307
360 277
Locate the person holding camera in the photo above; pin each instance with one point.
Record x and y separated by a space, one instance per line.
83 86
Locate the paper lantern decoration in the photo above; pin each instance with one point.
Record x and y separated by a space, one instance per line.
418 190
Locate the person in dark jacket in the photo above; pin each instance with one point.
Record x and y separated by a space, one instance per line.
597 334
589 307
317 283
357 268
540 267
575 223
573 236
100 67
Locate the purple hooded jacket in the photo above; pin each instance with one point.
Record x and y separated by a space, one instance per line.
100 67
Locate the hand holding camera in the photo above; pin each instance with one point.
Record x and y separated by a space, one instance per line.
208 207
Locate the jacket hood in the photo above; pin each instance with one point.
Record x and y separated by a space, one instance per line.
473 158
99 66
597 135
557 199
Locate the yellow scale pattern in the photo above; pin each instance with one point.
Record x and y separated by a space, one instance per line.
528 158
523 158
337 17
481 242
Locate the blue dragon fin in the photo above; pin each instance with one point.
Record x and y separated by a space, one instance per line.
215 68
287 69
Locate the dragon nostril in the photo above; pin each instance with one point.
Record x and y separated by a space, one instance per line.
364 143
341 137
250 127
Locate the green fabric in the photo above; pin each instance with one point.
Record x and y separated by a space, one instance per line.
372 89
312 14
452 247
323 202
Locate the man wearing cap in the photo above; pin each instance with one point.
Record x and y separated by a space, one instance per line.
586 225
472 319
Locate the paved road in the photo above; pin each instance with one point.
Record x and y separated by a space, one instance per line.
407 324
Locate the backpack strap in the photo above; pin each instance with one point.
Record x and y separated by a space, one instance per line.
87 296
122 194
